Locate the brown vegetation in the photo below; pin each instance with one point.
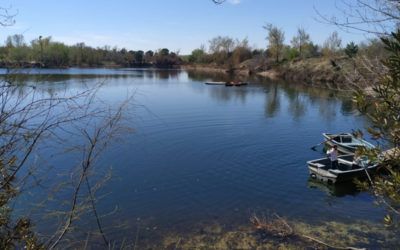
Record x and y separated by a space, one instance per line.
274 232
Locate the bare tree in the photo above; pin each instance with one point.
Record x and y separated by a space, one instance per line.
275 39
221 44
218 1
29 119
7 16
97 135
16 40
332 44
378 17
301 40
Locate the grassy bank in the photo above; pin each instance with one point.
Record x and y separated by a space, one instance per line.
325 235
322 72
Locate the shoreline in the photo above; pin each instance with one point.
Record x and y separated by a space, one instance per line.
318 72
311 72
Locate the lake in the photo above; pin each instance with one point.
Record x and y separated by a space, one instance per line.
210 154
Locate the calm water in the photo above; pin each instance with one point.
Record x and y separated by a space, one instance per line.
213 153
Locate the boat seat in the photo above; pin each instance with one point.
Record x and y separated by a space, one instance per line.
349 163
319 165
335 171
346 139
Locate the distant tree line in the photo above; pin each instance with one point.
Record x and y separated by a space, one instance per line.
44 52
230 52
222 51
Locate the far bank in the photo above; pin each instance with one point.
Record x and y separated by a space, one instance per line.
320 72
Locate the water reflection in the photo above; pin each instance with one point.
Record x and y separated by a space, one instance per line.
165 74
208 76
204 152
222 94
297 107
299 97
338 190
56 75
348 108
272 103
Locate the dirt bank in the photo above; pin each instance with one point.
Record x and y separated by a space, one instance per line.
323 72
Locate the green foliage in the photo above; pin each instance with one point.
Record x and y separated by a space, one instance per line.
197 56
56 54
257 52
14 233
139 56
149 53
148 56
384 111
17 54
351 49
291 53
165 59
164 52
47 53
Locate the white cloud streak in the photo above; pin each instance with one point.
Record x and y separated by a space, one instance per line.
234 2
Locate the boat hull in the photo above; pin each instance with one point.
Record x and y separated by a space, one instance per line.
320 169
215 83
342 149
228 84
348 147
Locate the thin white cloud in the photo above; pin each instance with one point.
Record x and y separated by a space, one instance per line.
124 40
235 2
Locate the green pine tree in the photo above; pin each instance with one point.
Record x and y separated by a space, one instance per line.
351 49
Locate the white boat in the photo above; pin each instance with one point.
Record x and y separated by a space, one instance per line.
347 143
349 168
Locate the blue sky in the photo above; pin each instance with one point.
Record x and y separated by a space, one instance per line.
175 24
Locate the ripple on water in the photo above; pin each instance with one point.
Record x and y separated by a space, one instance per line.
201 153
